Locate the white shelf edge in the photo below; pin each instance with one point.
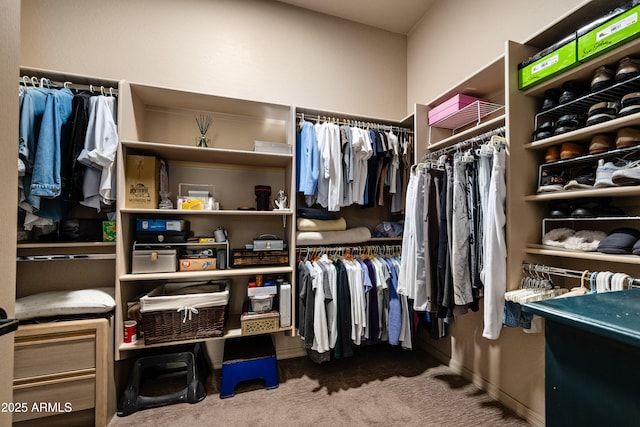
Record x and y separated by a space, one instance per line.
235 332
533 249
287 212
129 277
575 194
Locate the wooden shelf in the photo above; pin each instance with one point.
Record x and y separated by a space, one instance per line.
590 256
229 212
578 194
585 133
233 330
225 156
37 245
200 275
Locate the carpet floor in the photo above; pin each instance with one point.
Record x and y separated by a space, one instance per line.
379 386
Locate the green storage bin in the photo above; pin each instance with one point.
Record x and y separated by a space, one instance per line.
548 63
618 27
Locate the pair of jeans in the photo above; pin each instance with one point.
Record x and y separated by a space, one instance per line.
54 131
460 235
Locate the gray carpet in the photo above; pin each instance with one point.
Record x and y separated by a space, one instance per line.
379 386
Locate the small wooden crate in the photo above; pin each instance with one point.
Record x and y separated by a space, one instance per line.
250 258
264 323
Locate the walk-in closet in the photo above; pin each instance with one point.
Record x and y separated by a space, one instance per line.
258 212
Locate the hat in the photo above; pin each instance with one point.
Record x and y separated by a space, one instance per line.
627 137
569 150
552 154
600 143
619 241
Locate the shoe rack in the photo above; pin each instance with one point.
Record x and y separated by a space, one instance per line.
527 158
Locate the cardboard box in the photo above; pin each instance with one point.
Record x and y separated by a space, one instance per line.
617 27
449 107
142 176
197 264
548 63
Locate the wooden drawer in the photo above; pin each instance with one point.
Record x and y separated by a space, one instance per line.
61 365
55 397
62 353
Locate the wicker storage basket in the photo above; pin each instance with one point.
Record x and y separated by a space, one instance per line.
184 311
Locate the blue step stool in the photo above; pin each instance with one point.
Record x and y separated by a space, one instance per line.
248 359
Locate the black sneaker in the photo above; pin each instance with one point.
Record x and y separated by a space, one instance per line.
584 180
552 181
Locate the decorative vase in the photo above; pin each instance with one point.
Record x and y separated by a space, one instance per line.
202 141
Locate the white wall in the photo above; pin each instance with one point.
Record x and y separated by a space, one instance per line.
251 49
458 37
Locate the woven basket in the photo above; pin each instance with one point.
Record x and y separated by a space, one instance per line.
184 311
168 325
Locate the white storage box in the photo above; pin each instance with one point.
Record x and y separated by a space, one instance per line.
261 303
153 261
176 295
271 147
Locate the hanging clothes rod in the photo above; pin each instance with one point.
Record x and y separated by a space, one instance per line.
351 121
499 131
50 84
354 249
562 272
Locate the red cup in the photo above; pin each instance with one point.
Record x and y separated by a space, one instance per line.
130 331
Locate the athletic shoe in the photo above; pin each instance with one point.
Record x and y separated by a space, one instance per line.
552 181
584 181
627 175
604 173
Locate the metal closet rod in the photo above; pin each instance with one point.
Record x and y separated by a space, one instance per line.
563 272
357 248
500 131
361 123
48 83
65 257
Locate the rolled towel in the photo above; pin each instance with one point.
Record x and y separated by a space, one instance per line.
308 224
352 235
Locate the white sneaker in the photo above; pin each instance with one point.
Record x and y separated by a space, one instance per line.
627 175
604 172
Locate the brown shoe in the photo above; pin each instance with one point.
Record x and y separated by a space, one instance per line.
627 137
552 154
600 143
569 150
602 78
627 68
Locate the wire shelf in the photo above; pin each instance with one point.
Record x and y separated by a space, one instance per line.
473 112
